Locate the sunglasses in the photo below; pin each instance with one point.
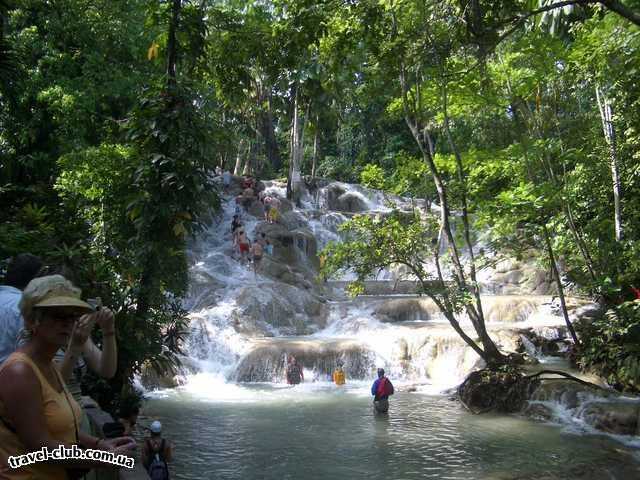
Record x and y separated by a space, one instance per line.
63 317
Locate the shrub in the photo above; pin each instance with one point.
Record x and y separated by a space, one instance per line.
611 346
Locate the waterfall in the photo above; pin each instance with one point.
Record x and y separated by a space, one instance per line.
244 325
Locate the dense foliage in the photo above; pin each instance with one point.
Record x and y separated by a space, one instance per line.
523 116
612 346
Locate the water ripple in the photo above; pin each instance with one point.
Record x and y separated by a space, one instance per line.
329 436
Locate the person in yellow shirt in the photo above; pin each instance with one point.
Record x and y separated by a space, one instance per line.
36 408
338 375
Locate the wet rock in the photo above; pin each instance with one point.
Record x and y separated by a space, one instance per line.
548 341
516 358
511 276
295 248
406 309
613 417
152 379
267 361
256 209
512 309
282 272
586 314
601 409
402 350
339 199
202 290
487 390
289 309
564 392
538 411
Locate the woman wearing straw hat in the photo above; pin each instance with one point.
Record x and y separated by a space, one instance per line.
36 409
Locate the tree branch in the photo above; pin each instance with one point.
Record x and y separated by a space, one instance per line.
622 10
566 376
613 5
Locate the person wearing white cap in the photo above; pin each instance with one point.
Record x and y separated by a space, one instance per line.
156 453
36 408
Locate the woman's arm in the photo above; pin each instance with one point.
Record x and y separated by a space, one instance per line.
104 362
145 454
79 337
168 451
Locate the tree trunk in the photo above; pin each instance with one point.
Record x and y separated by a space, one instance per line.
251 158
424 141
606 115
465 209
556 276
294 182
172 50
268 133
237 170
316 147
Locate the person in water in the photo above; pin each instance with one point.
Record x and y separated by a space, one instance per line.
268 248
226 179
294 371
256 252
338 375
157 452
244 246
381 390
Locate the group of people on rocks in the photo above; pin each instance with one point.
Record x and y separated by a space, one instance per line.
45 349
381 389
252 191
244 248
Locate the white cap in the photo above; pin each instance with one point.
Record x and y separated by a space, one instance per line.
156 427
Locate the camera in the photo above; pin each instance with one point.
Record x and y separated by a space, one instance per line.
96 303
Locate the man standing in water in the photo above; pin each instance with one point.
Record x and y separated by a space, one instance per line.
381 389
294 371
157 452
338 374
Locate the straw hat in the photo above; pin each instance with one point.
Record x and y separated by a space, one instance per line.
52 291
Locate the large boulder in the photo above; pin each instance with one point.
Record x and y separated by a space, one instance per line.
406 309
268 306
282 272
604 410
296 248
341 200
500 391
207 277
151 379
267 361
512 308
513 277
618 417
566 393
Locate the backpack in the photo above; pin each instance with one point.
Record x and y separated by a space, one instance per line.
158 469
385 388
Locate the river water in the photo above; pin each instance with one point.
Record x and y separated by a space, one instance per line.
319 431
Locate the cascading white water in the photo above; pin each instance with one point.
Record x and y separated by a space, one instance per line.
414 346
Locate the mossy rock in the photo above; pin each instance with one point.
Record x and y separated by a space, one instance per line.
504 391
